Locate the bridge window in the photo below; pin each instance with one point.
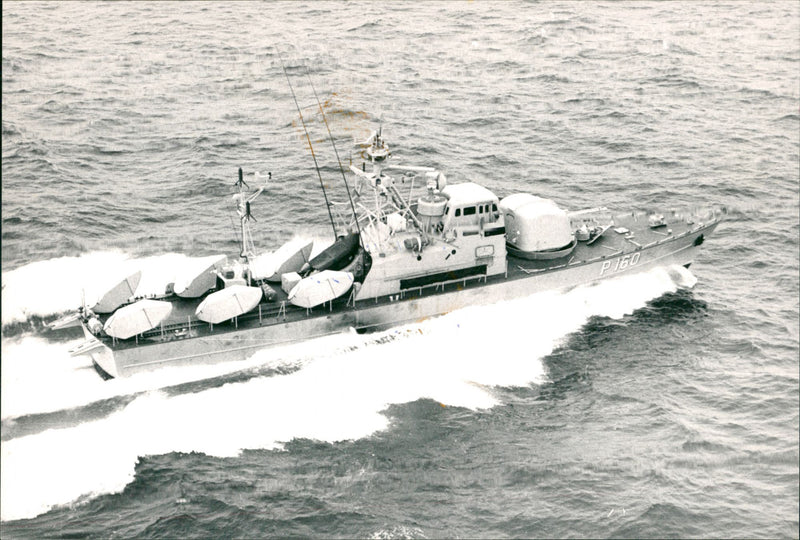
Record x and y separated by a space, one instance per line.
458 212
469 211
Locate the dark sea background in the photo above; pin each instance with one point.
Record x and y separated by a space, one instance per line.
633 408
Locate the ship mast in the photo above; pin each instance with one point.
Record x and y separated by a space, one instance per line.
243 201
338 160
378 151
310 146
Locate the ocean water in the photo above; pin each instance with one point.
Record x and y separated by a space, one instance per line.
641 407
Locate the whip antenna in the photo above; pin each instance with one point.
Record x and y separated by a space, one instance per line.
302 121
338 160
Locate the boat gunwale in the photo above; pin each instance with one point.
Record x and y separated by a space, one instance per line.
293 313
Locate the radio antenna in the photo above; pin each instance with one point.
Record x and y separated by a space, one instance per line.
338 160
316 166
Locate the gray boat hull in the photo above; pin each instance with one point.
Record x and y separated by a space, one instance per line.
409 306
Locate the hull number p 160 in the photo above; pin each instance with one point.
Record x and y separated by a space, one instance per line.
619 264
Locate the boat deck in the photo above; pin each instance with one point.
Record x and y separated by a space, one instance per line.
612 246
612 243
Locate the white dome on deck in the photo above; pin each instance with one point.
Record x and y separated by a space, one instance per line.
535 224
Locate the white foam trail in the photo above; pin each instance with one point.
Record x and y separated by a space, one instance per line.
455 360
35 373
54 286
40 377
682 277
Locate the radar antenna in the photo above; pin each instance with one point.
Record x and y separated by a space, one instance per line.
240 183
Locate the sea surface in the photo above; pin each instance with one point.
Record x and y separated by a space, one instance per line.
640 407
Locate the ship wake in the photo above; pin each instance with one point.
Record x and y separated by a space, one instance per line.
337 389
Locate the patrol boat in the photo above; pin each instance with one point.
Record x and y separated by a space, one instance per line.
396 260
